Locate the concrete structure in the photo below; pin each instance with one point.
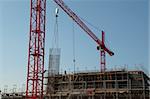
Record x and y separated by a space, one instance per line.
119 84
99 85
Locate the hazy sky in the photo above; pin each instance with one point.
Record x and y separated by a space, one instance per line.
125 23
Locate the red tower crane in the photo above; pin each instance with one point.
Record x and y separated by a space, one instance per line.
35 71
101 44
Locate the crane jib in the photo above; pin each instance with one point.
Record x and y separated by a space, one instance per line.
82 25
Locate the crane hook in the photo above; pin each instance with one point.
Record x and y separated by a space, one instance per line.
56 12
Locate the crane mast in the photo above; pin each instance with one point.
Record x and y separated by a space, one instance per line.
35 71
100 43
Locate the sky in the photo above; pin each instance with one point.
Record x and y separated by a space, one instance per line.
125 22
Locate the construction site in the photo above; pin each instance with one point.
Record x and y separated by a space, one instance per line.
49 83
94 85
121 84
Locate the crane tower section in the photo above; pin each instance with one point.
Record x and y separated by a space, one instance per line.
35 71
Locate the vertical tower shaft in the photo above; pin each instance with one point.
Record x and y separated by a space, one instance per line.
102 54
35 71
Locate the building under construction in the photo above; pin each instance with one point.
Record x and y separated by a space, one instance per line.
117 84
120 84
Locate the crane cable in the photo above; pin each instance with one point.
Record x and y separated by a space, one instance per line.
55 38
73 45
95 27
107 43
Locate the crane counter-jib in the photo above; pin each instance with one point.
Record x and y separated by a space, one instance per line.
65 8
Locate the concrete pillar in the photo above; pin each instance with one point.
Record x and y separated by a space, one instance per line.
92 96
60 97
130 96
143 86
78 96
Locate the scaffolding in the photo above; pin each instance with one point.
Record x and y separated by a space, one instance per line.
101 85
121 84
